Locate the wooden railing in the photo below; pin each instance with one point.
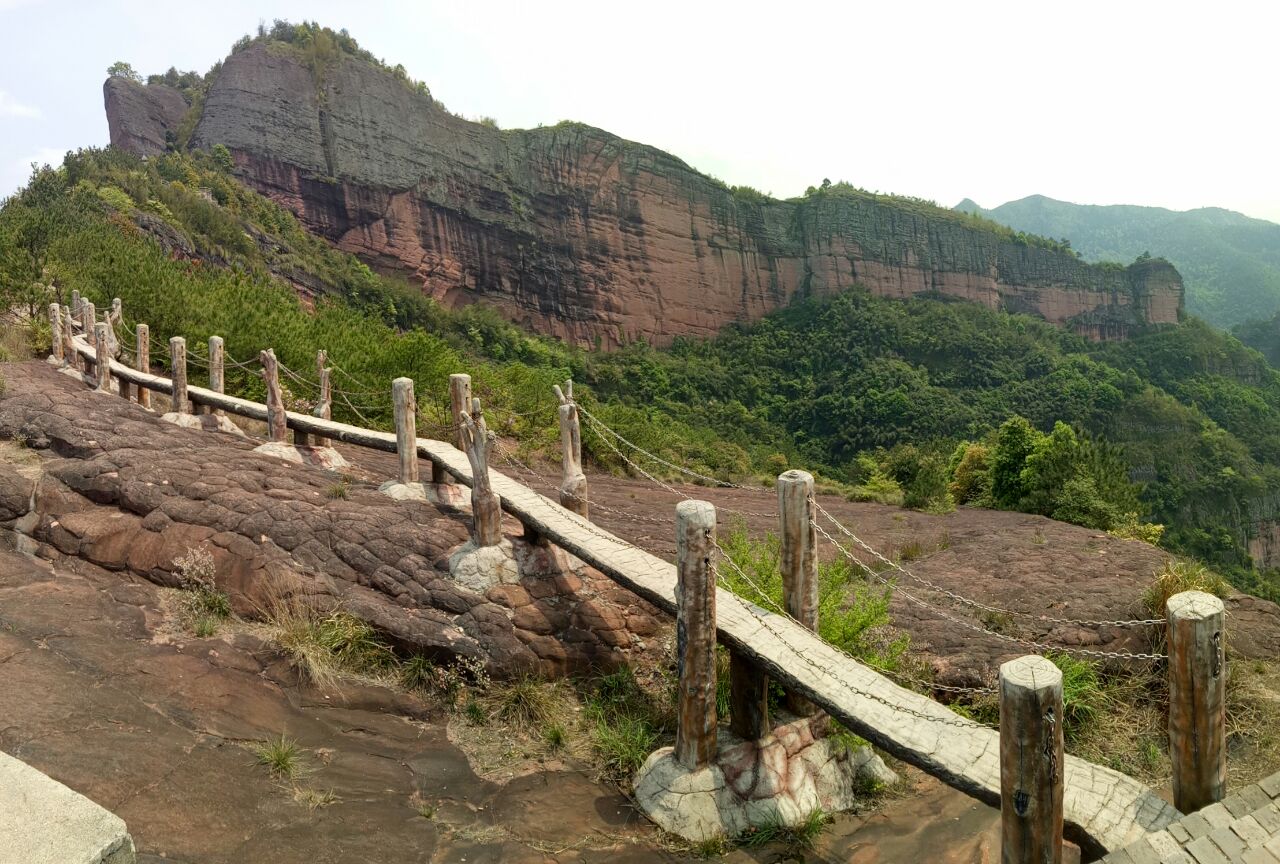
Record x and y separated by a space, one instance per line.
1102 809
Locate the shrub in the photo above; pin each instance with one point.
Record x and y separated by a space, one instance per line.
1129 527
222 159
203 606
970 474
853 615
116 198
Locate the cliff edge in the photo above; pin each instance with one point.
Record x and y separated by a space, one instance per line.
577 233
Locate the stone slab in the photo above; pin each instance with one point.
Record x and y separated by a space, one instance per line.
44 822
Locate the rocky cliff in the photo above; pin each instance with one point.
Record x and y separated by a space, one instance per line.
600 241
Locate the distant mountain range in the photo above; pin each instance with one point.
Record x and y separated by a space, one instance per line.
1230 262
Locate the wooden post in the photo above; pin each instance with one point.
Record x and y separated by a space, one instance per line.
573 483
277 422
142 361
178 361
1031 762
748 699
1197 700
217 369
695 634
89 317
75 301
460 403
324 408
69 352
102 357
798 561
113 317
56 346
406 414
486 506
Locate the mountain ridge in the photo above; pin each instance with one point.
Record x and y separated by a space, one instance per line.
1230 261
577 233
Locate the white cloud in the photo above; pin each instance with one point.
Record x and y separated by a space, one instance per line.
11 107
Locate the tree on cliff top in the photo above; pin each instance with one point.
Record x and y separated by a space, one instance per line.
121 69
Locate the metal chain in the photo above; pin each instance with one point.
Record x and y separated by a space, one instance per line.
1041 646
1142 622
959 722
592 425
776 607
713 480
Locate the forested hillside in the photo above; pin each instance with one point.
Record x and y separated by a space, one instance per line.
1230 262
917 402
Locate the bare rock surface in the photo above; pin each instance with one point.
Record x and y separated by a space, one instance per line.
127 492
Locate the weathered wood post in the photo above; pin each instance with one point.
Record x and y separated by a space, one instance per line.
406 415
277 422
324 408
1031 762
113 318
102 357
460 404
89 317
142 361
573 483
75 301
695 634
178 362
69 352
799 560
56 346
486 506
217 369
1197 699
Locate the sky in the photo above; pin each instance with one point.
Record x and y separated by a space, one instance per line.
1120 102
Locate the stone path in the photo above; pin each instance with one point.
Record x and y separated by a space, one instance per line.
1242 829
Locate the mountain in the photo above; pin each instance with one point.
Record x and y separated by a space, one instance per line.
577 233
1231 262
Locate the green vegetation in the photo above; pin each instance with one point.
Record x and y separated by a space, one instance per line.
1179 426
280 756
626 722
853 614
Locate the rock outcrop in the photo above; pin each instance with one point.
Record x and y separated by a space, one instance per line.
142 118
114 485
595 239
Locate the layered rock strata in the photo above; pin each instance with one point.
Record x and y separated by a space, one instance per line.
601 241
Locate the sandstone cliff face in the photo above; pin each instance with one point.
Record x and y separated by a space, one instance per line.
601 241
138 116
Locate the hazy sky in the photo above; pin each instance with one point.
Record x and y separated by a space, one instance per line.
1164 103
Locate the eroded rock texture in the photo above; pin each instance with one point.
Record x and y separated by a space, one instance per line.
139 116
583 235
119 488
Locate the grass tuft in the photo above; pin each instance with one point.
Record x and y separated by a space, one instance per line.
526 704
280 756
796 837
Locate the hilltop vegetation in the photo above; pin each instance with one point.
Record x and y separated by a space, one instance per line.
1231 263
916 402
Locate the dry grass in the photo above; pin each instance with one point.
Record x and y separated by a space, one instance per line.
1178 576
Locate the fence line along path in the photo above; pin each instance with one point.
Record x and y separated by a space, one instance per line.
1103 809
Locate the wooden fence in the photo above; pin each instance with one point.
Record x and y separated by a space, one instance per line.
1099 808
